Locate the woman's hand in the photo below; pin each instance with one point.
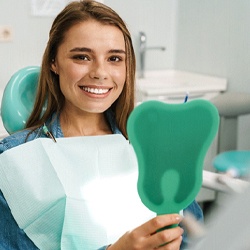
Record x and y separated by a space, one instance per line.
146 237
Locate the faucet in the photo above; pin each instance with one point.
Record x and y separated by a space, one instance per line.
143 48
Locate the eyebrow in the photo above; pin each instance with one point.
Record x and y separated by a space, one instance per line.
119 51
84 49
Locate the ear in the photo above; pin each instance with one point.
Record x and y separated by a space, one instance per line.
53 66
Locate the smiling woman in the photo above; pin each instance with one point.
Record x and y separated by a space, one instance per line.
90 64
86 59
85 92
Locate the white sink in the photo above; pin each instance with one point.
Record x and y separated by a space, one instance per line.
172 86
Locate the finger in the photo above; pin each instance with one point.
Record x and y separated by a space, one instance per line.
166 236
160 221
175 244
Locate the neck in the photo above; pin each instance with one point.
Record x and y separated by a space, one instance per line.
83 124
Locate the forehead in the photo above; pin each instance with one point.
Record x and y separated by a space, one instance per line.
94 33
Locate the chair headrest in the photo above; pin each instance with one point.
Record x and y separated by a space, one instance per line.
19 97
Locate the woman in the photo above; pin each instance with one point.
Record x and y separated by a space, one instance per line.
87 85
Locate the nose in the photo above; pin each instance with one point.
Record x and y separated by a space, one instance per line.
98 71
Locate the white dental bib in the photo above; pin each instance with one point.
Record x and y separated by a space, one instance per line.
78 193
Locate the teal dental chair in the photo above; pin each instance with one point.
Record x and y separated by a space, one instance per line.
18 98
230 106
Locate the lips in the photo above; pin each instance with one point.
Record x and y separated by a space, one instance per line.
96 91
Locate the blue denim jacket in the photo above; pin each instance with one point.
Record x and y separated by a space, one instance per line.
14 238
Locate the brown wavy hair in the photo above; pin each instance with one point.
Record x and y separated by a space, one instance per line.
49 94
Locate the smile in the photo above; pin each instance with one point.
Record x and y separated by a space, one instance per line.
97 91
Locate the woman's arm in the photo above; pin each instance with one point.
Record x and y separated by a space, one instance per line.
148 237
11 236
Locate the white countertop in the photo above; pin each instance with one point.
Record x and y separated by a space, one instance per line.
172 82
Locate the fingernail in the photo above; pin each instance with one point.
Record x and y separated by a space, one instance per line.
179 218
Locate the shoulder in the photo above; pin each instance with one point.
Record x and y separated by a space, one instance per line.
195 210
27 135
18 138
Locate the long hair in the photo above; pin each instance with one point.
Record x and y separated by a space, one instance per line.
49 93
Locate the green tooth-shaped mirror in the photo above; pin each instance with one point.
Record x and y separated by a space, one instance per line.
171 141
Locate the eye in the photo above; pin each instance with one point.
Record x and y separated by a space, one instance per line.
115 59
81 57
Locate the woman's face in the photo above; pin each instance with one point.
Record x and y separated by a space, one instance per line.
91 66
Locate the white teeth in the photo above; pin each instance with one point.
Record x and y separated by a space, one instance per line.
95 90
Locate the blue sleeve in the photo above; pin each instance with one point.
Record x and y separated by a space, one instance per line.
11 236
196 211
2 149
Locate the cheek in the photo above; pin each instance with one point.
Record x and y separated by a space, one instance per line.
69 76
120 76
72 72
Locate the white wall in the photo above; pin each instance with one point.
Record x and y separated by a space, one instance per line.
213 37
205 36
157 19
30 37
